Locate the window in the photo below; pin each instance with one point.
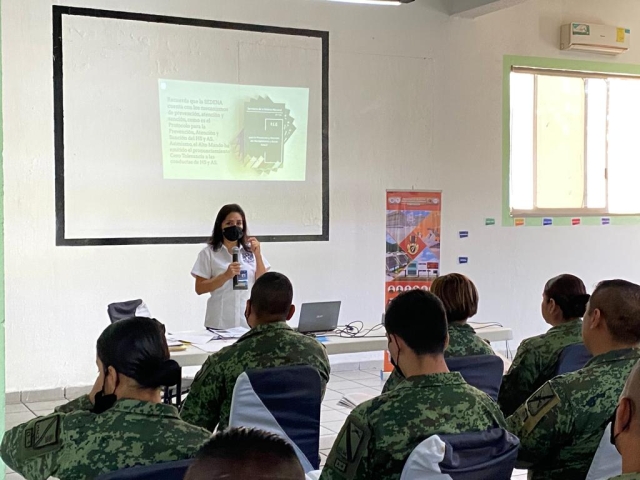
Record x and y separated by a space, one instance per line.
575 143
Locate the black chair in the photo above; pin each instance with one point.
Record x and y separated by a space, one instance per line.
574 357
481 371
285 401
487 455
162 471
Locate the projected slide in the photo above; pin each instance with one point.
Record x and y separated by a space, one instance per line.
160 121
217 131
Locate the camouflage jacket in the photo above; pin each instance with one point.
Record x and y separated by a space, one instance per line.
463 342
535 363
560 426
380 434
74 443
266 346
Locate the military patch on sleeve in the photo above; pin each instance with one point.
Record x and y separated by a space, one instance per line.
46 432
351 447
41 436
539 405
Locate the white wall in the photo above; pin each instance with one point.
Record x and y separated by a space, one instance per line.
415 102
382 94
511 265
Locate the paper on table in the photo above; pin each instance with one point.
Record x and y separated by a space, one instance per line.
172 341
235 332
196 337
216 346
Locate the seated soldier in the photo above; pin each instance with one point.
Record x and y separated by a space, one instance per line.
269 343
564 301
460 298
120 424
561 424
380 434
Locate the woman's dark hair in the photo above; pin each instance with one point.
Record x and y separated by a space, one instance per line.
216 236
137 347
458 294
569 293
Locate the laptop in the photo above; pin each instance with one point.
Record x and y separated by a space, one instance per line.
321 317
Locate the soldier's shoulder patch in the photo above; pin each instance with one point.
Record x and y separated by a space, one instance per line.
539 405
351 446
41 436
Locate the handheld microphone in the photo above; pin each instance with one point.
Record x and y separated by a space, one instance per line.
235 251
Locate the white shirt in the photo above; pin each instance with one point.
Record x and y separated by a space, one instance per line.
226 306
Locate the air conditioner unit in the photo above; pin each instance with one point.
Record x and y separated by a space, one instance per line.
588 37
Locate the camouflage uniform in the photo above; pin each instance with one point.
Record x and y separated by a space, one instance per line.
265 346
535 363
74 443
463 342
560 426
380 434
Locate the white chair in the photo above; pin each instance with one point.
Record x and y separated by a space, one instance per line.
607 462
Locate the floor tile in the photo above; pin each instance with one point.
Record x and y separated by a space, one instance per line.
16 408
14 476
331 395
332 416
334 426
372 382
353 375
326 441
15 419
325 431
340 386
45 406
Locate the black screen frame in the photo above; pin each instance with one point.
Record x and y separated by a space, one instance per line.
58 103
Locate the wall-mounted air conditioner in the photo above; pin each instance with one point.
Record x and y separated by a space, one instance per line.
595 38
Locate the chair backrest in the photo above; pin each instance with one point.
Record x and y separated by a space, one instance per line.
607 462
131 308
481 371
572 358
285 401
162 471
487 455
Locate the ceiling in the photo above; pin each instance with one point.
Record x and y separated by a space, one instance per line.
476 8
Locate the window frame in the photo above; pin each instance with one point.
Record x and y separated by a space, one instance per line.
560 216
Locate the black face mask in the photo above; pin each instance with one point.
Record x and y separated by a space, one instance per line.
614 437
103 402
395 364
233 233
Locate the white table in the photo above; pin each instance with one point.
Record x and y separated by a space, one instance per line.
193 356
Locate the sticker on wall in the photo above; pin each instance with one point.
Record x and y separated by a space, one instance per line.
518 222
463 260
463 234
576 221
546 222
489 222
605 221
620 35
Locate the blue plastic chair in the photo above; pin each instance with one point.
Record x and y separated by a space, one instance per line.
487 455
572 358
481 371
161 471
285 401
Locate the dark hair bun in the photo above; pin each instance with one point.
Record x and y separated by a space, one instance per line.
572 306
166 374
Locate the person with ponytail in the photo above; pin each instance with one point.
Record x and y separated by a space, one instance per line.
120 424
564 302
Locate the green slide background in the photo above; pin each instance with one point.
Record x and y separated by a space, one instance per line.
225 131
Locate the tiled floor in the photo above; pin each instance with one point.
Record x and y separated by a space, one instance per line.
332 416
